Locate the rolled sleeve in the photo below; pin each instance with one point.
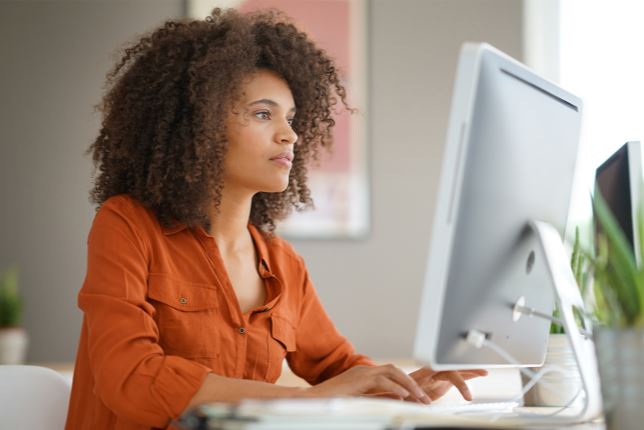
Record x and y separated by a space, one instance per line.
132 374
178 379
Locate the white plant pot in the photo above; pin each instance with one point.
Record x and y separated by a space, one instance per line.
13 345
560 387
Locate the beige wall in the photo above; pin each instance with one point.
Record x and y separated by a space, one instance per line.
372 288
51 73
53 59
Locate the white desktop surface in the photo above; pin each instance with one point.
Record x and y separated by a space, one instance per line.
499 385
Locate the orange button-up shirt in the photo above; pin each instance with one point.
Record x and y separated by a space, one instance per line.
160 313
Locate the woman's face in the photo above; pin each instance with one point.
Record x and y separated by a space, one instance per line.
260 137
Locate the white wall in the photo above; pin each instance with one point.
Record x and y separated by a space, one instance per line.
51 73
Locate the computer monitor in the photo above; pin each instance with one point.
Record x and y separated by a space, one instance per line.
619 179
509 159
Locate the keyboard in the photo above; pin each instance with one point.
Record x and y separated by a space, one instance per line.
368 406
475 406
354 413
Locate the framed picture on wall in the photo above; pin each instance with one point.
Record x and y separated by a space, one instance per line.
339 184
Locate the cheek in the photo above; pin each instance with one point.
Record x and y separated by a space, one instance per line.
249 142
241 150
247 161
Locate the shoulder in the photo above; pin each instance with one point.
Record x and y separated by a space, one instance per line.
125 205
128 208
124 213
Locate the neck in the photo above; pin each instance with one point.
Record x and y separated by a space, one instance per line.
229 224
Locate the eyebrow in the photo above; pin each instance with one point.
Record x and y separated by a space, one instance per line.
268 102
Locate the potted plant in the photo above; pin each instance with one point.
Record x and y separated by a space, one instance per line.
619 319
13 337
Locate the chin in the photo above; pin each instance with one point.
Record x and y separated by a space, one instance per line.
275 187
282 188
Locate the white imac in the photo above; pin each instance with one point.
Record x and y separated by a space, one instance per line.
496 245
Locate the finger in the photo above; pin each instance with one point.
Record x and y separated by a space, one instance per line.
389 386
407 382
470 376
413 399
438 389
423 376
478 372
466 374
457 380
423 372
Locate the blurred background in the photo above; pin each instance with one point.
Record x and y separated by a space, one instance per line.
54 56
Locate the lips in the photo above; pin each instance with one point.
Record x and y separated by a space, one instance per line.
284 156
285 159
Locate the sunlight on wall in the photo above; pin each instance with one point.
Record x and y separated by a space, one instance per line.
601 60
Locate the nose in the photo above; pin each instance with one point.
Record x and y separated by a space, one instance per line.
286 134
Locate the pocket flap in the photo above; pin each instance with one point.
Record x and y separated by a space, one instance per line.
181 295
283 332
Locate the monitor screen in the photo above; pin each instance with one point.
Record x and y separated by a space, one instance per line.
509 158
618 179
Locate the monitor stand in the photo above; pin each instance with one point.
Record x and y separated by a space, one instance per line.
568 297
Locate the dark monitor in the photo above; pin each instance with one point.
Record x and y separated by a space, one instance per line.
618 180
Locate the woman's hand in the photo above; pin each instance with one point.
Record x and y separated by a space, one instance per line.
368 380
436 383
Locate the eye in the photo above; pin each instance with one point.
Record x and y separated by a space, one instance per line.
290 121
263 114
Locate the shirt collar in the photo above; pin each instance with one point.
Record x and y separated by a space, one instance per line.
174 228
263 258
259 239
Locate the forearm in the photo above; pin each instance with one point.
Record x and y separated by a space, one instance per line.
216 388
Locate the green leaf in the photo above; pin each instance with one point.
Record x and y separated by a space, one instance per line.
640 223
10 301
621 269
554 327
606 310
579 264
640 245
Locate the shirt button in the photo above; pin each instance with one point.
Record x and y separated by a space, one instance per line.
183 300
242 330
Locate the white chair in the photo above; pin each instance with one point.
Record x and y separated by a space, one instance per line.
32 397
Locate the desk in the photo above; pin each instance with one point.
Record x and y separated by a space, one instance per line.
499 384
350 414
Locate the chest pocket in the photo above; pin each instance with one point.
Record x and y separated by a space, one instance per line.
281 341
187 315
283 332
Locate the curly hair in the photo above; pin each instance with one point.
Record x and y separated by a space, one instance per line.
163 137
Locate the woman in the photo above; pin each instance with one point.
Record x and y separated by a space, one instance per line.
189 296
